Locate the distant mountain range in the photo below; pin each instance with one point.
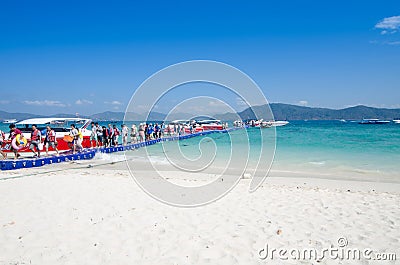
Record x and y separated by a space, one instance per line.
292 112
281 112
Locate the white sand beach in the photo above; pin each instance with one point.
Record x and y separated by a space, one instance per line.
100 216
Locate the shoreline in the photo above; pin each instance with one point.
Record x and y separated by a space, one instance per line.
281 177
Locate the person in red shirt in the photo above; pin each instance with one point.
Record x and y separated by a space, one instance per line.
13 133
50 140
36 138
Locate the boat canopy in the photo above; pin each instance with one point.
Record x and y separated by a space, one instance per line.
208 121
56 122
179 122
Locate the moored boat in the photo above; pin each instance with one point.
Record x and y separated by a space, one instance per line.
61 127
279 123
10 121
266 124
193 126
207 125
373 121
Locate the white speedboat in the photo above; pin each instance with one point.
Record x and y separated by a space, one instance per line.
61 127
396 121
238 123
266 124
279 123
190 126
207 125
10 121
373 121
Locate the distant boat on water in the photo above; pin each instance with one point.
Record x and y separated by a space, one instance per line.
279 123
397 121
10 121
260 123
373 121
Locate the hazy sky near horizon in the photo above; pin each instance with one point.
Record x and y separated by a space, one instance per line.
90 56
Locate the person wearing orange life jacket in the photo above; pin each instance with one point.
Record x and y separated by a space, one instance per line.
50 140
36 138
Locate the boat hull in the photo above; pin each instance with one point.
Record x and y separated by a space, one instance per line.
61 146
374 122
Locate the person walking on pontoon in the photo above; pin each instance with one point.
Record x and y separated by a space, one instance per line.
124 132
115 135
105 136
13 133
141 132
110 131
133 134
77 142
50 140
157 131
36 138
99 132
93 136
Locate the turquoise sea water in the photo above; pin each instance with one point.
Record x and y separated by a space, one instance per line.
337 147
332 148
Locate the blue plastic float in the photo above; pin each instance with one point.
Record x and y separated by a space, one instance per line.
38 162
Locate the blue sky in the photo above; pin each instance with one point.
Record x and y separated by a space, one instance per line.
90 56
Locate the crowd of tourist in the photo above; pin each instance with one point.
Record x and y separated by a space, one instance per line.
100 136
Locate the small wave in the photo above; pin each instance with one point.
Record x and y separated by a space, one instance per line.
317 163
109 157
153 159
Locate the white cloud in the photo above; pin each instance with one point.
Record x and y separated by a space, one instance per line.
395 106
240 102
216 103
389 25
393 42
114 102
302 103
83 101
3 102
48 103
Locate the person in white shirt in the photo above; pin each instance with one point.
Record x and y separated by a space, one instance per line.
93 135
77 142
124 131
